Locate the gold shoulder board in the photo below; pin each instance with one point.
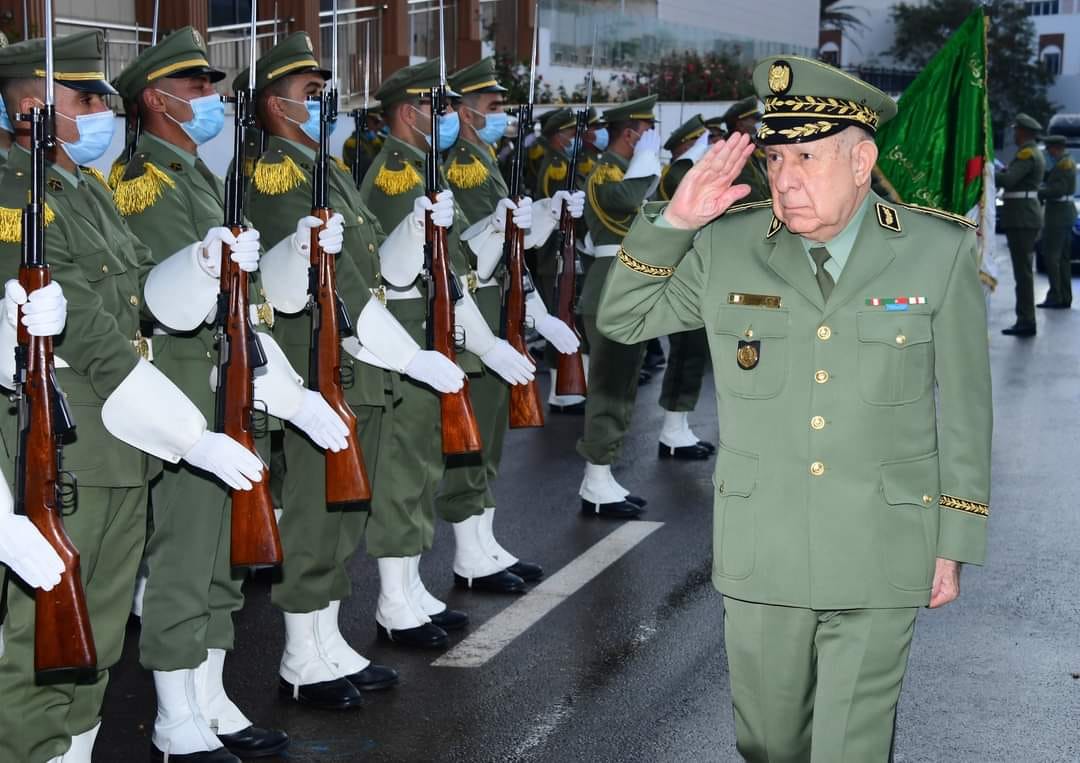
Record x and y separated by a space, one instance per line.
137 194
943 215
396 182
275 178
749 205
1025 153
11 223
470 173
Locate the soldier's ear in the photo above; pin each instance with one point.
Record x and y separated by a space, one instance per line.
863 157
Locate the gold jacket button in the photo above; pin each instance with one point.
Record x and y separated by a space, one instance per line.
927 499
817 468
104 268
209 356
821 377
133 300
360 219
824 333
901 339
818 422
371 247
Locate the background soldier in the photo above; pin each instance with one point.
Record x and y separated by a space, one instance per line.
1057 193
371 141
743 117
1021 217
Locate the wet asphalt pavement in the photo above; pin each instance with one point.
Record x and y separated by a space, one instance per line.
632 667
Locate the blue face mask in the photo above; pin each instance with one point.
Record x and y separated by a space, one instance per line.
95 135
449 127
311 126
572 147
207 117
600 139
494 126
5 120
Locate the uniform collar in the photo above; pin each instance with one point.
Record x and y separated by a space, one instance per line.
613 158
19 159
408 151
840 246
305 151
154 144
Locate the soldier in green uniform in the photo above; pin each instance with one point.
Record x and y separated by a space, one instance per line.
1022 217
743 117
175 205
371 141
717 129
123 406
1057 194
849 345
319 668
467 496
689 350
625 175
596 143
402 522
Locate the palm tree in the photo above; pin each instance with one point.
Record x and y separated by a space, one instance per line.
842 17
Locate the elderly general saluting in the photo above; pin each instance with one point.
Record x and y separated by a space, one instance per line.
849 347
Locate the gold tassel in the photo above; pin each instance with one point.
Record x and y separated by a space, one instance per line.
471 175
586 167
536 153
557 171
116 174
397 182
608 173
139 194
341 165
11 223
96 174
281 177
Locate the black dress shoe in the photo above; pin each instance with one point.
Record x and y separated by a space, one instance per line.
1019 330
426 636
254 742
339 694
707 445
220 755
450 619
637 500
373 678
577 409
614 510
1054 305
497 582
527 571
693 452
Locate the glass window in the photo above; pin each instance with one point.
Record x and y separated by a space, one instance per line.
1052 61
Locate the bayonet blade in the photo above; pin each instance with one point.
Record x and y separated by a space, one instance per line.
367 64
50 93
154 29
333 48
532 59
251 49
442 46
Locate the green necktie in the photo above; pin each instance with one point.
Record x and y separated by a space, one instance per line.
825 282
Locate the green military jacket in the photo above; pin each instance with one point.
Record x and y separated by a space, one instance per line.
610 206
855 434
278 196
101 267
551 175
1023 175
671 176
474 177
1057 192
170 199
390 188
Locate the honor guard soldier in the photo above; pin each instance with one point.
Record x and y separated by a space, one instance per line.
743 117
689 350
175 205
467 496
402 522
319 668
124 407
596 143
1057 193
717 130
1022 217
849 346
625 175
371 141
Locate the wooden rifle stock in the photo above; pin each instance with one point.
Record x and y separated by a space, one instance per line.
570 372
525 407
255 540
347 484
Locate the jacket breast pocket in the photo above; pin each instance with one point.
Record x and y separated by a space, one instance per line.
760 370
908 524
735 522
896 357
100 265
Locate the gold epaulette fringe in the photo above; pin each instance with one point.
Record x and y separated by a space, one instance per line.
140 193
607 173
536 152
585 167
557 171
277 178
341 165
397 182
471 175
11 223
95 173
116 174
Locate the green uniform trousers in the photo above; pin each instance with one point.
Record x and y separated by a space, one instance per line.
1022 249
402 519
317 542
613 385
108 529
1057 251
815 686
191 592
688 356
468 486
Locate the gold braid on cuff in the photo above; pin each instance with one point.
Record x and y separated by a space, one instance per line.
962 504
643 267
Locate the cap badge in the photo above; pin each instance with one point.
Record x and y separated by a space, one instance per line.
780 77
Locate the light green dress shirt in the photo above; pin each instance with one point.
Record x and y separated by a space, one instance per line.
839 247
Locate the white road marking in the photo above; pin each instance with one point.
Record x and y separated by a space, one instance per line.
493 636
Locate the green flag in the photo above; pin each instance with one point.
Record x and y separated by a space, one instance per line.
933 152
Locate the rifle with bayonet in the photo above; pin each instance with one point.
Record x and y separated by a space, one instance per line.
63 639
360 116
460 430
255 540
347 484
525 407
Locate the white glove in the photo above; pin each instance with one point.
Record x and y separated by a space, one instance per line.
26 553
696 151
508 363
226 459
561 336
331 237
442 211
522 214
244 250
575 203
648 143
435 370
321 423
44 314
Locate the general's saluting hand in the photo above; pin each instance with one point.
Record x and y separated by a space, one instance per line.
706 191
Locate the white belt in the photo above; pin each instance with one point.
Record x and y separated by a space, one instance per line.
606 250
1020 195
412 292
